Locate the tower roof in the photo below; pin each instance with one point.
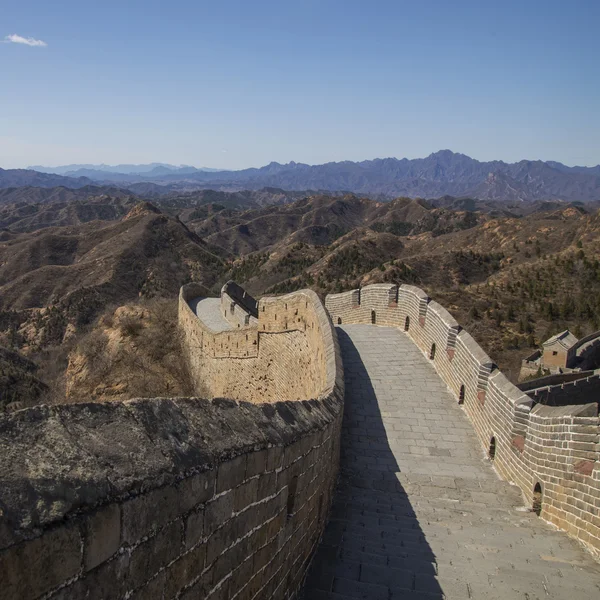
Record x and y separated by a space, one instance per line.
565 339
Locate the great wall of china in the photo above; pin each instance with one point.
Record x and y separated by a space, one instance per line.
551 453
185 498
228 495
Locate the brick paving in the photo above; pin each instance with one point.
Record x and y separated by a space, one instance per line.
209 312
419 512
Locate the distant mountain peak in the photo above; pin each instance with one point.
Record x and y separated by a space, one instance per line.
441 173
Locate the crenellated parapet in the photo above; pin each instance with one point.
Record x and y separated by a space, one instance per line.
551 452
238 307
261 361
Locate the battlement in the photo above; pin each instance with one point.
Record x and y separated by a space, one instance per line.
239 308
549 450
182 497
262 360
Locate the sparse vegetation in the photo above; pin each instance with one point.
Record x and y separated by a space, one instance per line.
512 276
132 352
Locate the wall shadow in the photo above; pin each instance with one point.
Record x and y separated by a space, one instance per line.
373 546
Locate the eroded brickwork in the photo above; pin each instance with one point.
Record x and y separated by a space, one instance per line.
555 448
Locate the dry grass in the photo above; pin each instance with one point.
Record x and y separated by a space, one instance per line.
135 351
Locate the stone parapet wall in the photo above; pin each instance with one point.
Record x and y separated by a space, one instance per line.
582 390
202 341
550 380
587 351
238 307
175 498
237 294
553 448
181 498
234 313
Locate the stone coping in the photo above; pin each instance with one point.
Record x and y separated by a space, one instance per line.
59 461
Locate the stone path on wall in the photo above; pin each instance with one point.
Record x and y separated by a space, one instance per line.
209 312
420 512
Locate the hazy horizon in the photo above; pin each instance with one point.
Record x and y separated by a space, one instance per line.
170 164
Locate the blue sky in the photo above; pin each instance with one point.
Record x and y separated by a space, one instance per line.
234 84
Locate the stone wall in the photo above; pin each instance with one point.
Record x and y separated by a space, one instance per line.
583 390
550 380
587 351
260 362
552 450
237 306
170 498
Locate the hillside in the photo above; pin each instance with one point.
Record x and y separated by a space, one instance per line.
76 275
19 384
26 177
133 351
27 209
21 217
511 280
42 195
62 277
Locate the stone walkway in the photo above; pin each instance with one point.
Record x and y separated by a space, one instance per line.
420 512
209 312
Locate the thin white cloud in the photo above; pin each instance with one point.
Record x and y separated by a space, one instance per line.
18 39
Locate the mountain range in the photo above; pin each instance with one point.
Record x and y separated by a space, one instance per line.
439 174
151 169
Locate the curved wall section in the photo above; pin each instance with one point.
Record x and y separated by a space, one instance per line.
282 355
555 447
170 498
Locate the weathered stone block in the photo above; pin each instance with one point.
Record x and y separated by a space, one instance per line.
108 580
148 558
224 565
245 494
519 443
242 574
194 528
184 570
274 458
584 467
267 485
196 490
153 589
265 554
102 535
220 540
231 473
146 513
30 569
256 463
217 512
252 517
201 589
221 591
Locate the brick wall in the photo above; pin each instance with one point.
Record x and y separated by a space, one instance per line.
171 498
555 356
555 448
260 362
583 390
